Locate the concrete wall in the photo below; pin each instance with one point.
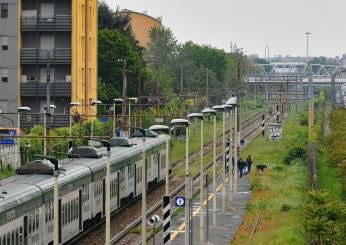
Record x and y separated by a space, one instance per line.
9 59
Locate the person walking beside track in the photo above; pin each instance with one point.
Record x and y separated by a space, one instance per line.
249 163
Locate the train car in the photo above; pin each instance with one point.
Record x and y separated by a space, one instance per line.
26 200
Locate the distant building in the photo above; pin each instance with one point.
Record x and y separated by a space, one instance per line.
141 24
34 33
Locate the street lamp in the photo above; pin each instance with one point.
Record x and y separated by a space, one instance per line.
234 102
76 103
114 103
213 112
135 100
222 109
46 113
199 116
163 129
94 103
188 189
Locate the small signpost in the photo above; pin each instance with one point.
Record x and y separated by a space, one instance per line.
180 201
275 131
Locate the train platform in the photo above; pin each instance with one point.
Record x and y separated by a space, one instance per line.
228 216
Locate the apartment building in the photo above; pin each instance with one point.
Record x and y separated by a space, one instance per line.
43 40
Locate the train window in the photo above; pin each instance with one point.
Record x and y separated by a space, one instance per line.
1 240
8 238
12 237
76 208
4 239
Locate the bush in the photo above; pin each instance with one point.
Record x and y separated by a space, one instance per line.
285 208
296 153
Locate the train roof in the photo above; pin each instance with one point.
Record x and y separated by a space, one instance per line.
22 188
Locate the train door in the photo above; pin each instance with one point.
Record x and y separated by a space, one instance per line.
34 224
48 228
118 187
130 178
25 228
87 206
97 200
162 165
114 191
139 177
104 197
122 183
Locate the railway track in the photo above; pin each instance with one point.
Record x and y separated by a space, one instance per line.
122 231
156 209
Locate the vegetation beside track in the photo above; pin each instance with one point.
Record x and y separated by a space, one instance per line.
279 192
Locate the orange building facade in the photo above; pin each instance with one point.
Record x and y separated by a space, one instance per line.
141 24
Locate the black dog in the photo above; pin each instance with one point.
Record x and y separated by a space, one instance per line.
261 167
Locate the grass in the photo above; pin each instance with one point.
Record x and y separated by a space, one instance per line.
279 192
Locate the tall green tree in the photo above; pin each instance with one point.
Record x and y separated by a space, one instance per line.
114 48
160 57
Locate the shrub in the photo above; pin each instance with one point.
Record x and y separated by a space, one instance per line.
297 152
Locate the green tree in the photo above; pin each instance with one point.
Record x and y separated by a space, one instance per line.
160 57
114 48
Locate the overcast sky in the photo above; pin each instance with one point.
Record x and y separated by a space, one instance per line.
253 24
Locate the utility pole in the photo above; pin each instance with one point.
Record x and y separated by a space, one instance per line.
124 92
144 194
46 116
181 90
310 89
207 87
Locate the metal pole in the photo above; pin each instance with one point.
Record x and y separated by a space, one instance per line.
70 122
47 113
207 225
187 173
223 160
167 166
56 208
18 139
230 179
114 134
201 196
108 199
214 173
144 197
45 133
207 87
129 125
236 136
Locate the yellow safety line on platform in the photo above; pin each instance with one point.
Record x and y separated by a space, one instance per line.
182 226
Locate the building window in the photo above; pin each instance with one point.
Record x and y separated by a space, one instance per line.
4 75
4 42
4 10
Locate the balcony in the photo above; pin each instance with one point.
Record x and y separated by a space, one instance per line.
40 56
29 120
36 23
39 89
